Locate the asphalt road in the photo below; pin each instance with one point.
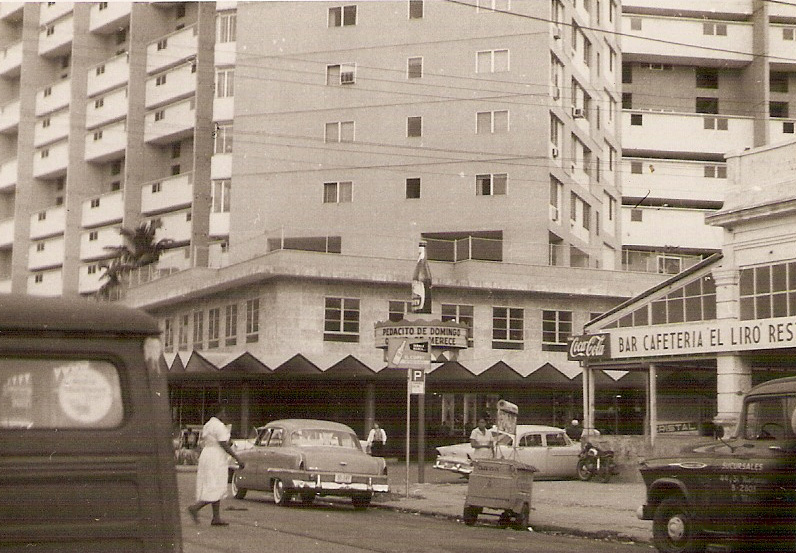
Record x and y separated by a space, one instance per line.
333 526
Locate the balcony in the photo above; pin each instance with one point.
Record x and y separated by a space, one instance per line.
106 17
167 194
669 179
53 97
219 224
11 60
46 254
50 11
782 51
225 53
49 222
6 233
221 166
110 74
685 132
171 50
5 285
175 84
46 283
106 109
781 130
90 279
51 128
9 118
670 228
55 39
8 175
741 7
51 161
106 143
224 109
175 226
11 11
709 44
171 123
94 244
103 210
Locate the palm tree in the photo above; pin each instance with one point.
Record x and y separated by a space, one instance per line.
138 250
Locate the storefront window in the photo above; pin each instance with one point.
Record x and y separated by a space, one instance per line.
768 291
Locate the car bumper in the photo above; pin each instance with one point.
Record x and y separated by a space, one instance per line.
458 466
333 484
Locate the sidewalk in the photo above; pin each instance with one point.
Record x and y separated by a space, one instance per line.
591 509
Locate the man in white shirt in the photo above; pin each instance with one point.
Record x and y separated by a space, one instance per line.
482 440
377 437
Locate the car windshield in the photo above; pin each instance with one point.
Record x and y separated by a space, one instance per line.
770 418
317 436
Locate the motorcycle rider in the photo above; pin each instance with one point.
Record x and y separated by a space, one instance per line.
574 430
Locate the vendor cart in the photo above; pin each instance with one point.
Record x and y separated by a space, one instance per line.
503 485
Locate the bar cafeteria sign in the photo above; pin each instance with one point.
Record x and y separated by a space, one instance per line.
685 339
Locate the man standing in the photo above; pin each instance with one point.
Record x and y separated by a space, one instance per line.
574 430
377 438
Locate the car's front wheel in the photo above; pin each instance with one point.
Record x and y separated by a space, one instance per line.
674 529
237 491
282 497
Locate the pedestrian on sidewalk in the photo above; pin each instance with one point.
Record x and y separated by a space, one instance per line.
482 440
377 439
212 472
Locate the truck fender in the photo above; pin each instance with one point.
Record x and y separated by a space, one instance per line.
664 487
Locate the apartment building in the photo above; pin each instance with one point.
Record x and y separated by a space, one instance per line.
490 129
700 79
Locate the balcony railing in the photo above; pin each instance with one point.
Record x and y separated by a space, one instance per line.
11 60
110 74
656 262
55 39
171 85
53 97
170 123
106 143
103 210
106 109
9 116
167 194
8 175
6 233
106 16
48 222
172 49
51 129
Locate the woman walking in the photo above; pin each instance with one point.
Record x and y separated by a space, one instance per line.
211 474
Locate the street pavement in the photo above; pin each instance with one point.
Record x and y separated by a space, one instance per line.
589 509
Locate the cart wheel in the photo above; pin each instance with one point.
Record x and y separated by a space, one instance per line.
505 519
522 520
470 514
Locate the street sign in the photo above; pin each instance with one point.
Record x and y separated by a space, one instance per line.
408 353
417 381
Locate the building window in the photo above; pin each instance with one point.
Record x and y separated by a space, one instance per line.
778 81
778 109
45 153
342 16
414 68
341 320
252 320
627 100
213 324
47 91
225 83
635 23
787 127
116 185
716 171
492 122
93 236
220 201
198 329
398 310
163 44
160 115
182 331
226 27
102 5
707 77
337 192
414 127
627 73
176 150
415 9
41 216
768 291
508 328
491 185
636 167
156 187
462 314
99 102
637 119
788 33
160 80
492 61
339 131
38 278
175 170
116 168
168 335
636 215
223 139
50 30
341 74
231 324
718 29
45 122
460 246
412 188
97 135
40 247
556 330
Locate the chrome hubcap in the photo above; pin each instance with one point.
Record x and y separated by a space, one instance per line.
676 528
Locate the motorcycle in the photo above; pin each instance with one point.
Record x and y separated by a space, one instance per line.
596 463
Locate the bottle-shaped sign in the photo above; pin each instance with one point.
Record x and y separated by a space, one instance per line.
421 283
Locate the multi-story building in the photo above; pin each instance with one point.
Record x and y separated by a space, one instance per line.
488 128
699 79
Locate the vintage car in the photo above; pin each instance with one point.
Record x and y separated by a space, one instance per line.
546 448
305 458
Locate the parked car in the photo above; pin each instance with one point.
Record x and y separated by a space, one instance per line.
305 458
546 448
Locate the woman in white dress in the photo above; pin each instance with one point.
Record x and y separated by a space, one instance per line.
211 474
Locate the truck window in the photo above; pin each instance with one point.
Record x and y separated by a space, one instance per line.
59 394
770 418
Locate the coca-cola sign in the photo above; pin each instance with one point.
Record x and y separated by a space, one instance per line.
589 346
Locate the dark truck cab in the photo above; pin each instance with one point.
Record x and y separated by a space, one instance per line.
86 460
740 489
